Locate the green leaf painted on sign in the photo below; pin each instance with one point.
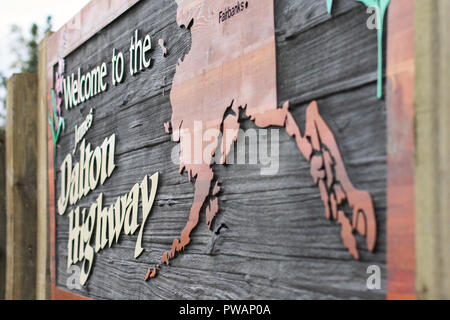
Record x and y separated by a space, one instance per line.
380 9
329 5
57 125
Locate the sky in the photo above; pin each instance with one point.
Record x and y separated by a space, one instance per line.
23 13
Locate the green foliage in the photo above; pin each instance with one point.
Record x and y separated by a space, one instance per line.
25 50
3 81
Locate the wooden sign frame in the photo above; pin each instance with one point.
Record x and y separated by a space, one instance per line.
400 117
400 74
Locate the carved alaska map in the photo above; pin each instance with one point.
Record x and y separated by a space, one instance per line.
231 69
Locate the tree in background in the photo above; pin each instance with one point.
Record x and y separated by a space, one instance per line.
25 51
3 81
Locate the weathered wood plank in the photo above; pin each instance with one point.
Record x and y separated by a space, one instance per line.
432 166
278 243
43 267
86 23
21 186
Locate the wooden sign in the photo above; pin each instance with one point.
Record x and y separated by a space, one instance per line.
217 149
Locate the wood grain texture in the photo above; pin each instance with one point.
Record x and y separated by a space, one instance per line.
331 59
43 253
85 24
58 294
401 144
432 166
239 71
2 214
21 187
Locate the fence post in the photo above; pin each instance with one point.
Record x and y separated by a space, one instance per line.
21 197
432 126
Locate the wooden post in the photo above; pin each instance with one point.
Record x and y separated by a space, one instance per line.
43 261
432 169
400 176
2 214
21 145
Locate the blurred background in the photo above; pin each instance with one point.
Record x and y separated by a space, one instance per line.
23 23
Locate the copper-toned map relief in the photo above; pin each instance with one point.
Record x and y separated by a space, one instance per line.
230 68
